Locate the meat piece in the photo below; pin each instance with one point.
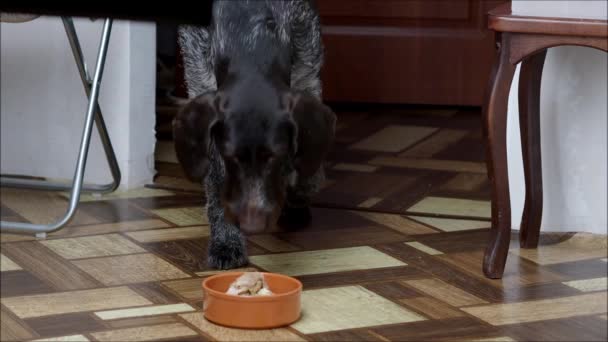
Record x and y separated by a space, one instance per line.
249 284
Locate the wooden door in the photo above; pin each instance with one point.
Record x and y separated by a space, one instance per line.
407 51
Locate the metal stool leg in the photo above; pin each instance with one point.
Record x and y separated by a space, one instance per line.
92 90
99 121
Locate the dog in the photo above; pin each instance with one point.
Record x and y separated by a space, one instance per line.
255 131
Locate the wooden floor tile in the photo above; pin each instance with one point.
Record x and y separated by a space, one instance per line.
184 200
348 335
326 239
465 182
452 225
177 183
123 194
435 143
393 290
579 247
494 339
144 311
146 333
169 234
218 332
189 254
273 244
444 292
12 328
155 292
394 138
464 241
452 206
518 272
140 321
165 152
397 222
517 294
431 307
191 216
325 261
65 324
92 246
189 289
457 329
47 266
107 228
6 264
539 310
360 277
128 269
354 188
354 167
439 271
19 283
8 237
116 210
423 248
73 301
6 214
430 164
585 328
66 338
581 269
348 307
370 202
41 207
589 285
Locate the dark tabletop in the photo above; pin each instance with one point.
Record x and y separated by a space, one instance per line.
152 11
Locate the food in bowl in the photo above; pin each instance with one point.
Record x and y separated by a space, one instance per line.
250 284
282 308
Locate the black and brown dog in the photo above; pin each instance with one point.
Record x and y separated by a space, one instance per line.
255 130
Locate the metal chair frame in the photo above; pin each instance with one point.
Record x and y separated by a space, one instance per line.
93 114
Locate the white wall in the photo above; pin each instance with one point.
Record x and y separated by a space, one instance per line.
42 101
573 136
589 9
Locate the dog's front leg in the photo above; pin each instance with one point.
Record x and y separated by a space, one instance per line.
227 247
296 212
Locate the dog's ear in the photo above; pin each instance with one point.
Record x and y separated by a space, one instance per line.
193 129
315 125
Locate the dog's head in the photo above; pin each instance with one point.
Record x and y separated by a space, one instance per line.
261 134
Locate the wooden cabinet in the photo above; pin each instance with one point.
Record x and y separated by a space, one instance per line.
407 51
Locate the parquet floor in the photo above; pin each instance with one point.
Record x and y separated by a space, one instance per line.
393 253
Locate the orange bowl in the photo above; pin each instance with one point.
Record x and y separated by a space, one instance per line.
261 312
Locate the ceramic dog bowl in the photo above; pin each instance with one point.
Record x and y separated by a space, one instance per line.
258 312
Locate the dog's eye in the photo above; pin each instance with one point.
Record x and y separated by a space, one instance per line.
271 24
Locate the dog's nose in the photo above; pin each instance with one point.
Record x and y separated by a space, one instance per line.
253 219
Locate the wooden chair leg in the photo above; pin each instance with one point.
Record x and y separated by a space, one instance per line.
529 122
495 115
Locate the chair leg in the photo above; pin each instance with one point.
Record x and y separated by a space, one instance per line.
495 116
529 122
77 183
99 121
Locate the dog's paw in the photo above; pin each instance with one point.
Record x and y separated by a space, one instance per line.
224 257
